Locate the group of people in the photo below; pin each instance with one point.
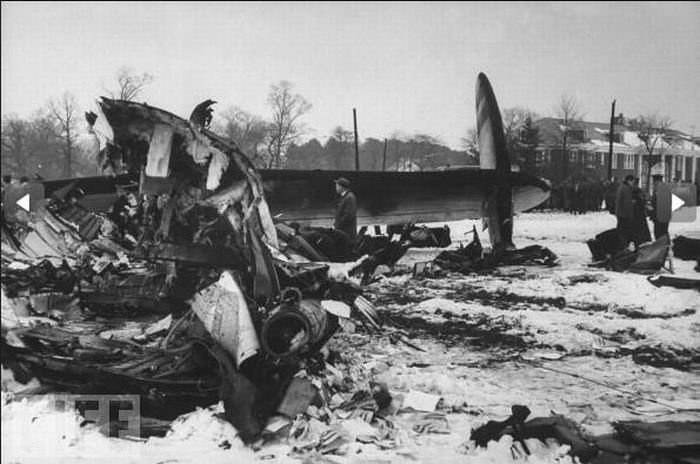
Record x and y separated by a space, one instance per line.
631 207
629 203
576 196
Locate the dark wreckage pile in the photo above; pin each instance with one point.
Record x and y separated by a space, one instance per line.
186 294
180 293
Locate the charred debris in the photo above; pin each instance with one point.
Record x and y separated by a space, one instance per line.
609 251
182 293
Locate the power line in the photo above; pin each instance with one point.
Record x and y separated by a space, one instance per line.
612 387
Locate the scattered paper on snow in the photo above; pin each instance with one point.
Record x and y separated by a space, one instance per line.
337 308
420 401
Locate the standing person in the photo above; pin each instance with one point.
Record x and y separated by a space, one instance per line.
641 227
566 191
610 194
577 198
23 185
658 217
624 210
346 211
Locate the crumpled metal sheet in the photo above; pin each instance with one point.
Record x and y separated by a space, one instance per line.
223 310
198 157
158 158
199 215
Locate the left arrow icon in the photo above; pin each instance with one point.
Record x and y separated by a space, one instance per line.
24 202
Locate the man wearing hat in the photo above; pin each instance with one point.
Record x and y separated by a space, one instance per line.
346 210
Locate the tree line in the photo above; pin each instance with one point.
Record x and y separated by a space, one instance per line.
277 142
396 153
53 142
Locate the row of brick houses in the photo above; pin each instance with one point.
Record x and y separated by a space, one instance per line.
586 156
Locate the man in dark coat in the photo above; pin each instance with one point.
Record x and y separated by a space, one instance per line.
346 211
659 218
641 227
624 210
610 193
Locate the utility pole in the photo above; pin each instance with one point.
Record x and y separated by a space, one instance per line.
384 157
612 133
357 151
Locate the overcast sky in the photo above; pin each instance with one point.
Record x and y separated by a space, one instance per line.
408 67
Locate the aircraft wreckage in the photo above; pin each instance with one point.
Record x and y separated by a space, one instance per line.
192 296
384 197
186 301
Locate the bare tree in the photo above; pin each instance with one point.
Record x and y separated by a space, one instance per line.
423 146
15 135
514 122
394 150
65 110
568 112
286 126
527 145
247 130
470 142
342 135
44 143
130 84
650 130
29 146
339 148
514 119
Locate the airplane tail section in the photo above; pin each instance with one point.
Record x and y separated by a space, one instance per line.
493 154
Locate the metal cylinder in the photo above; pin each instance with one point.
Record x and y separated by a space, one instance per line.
292 328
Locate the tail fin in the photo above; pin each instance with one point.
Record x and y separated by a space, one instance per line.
493 154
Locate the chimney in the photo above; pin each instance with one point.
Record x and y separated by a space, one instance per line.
621 119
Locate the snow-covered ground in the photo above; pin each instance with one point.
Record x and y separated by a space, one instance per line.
570 339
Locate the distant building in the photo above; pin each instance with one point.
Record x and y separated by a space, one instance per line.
449 159
405 166
587 149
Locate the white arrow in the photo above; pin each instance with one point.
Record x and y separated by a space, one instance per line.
676 202
24 202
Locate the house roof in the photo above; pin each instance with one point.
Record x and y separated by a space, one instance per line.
550 131
595 137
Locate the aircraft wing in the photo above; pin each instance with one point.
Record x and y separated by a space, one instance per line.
308 197
393 197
